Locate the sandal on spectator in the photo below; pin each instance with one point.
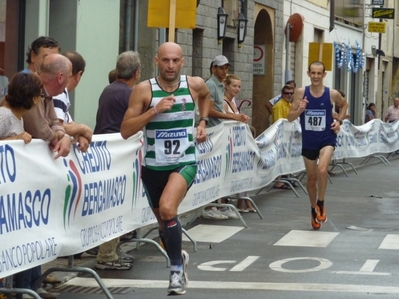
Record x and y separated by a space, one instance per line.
51 279
283 186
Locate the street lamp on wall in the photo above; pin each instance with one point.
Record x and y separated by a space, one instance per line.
222 23
241 24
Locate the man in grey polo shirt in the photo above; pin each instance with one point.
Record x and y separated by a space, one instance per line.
219 68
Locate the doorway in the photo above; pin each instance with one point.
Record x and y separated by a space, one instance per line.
262 89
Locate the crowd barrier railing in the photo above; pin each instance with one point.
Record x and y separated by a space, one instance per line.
51 208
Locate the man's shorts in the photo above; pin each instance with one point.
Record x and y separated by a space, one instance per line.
155 181
313 154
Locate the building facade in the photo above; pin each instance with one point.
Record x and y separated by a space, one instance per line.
101 29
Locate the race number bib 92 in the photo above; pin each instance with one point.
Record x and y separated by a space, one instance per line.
315 120
170 145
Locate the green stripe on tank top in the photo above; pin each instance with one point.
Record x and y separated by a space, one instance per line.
178 92
180 108
169 124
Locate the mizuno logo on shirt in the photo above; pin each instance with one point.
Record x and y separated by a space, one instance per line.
315 112
180 133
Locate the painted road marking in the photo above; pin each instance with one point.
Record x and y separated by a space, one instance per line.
210 266
306 239
362 273
233 285
367 269
323 264
244 264
390 241
369 266
212 233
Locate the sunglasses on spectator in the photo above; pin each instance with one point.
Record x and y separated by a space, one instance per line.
290 93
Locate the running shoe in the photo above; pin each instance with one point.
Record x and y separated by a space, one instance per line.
179 279
115 265
228 213
315 223
177 284
321 214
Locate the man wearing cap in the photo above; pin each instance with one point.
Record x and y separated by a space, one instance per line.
219 68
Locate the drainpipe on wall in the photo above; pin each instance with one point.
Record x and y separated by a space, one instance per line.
128 24
162 35
21 35
136 25
363 107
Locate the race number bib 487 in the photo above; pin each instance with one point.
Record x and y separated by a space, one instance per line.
170 145
315 120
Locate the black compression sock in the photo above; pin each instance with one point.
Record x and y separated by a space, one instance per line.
173 238
313 210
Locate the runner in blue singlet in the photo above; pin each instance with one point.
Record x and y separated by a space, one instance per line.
314 105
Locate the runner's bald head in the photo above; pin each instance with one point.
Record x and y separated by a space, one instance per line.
170 47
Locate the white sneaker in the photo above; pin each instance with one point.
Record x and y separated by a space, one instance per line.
229 213
213 213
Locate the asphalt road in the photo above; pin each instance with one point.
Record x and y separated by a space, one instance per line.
354 255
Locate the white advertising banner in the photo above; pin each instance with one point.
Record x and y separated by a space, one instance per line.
280 151
361 141
51 208
56 207
226 165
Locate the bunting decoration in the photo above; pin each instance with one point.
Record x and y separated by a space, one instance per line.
337 55
349 59
345 58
